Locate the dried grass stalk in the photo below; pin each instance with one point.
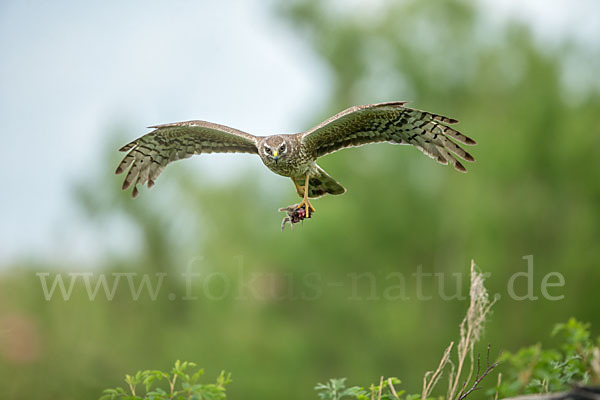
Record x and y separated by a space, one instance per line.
471 329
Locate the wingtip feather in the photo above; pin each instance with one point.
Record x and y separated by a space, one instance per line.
459 167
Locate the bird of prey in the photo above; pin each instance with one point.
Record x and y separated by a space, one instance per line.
295 155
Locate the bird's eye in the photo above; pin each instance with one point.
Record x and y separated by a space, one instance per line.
282 148
268 150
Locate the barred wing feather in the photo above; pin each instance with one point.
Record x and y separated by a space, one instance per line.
394 123
148 155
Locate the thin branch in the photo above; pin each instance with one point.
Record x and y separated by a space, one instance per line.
479 378
466 382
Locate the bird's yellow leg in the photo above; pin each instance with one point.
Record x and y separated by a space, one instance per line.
298 188
305 203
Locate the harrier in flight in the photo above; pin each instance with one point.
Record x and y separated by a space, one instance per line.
295 155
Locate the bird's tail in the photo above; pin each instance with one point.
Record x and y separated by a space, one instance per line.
319 185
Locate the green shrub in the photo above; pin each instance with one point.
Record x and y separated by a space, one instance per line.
537 370
178 384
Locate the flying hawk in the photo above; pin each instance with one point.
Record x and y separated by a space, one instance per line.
295 155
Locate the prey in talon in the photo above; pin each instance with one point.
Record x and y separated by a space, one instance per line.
295 214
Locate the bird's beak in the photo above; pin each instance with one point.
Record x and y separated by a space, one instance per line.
276 155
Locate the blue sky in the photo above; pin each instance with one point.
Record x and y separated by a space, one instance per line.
70 70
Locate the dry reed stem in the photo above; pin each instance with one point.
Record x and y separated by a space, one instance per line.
391 385
471 328
435 376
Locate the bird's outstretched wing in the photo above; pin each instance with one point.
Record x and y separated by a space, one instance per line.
389 122
150 154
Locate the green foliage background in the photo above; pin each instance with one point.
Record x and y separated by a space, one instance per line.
532 107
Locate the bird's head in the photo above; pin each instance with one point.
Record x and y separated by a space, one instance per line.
274 148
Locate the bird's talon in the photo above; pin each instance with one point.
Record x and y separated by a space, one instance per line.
308 208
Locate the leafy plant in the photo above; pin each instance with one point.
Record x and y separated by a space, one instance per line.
536 370
336 389
178 384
